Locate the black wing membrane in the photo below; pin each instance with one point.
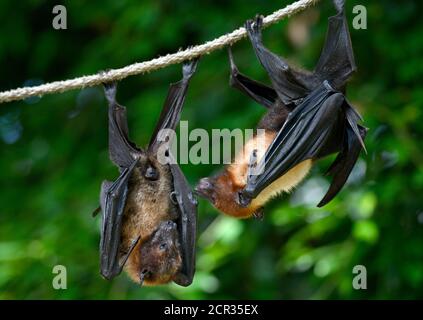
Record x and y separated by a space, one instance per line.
304 133
291 84
124 154
113 199
336 62
344 162
171 112
317 125
259 92
122 150
187 225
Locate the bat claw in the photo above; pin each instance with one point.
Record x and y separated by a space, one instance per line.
339 5
193 198
188 68
110 91
96 211
254 28
142 275
258 22
234 69
259 214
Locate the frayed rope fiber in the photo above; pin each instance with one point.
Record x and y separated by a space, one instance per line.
147 66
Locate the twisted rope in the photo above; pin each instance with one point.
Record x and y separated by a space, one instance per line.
154 64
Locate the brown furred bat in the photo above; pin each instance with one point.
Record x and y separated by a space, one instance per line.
308 118
149 212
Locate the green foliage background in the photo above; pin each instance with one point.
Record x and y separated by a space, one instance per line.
54 152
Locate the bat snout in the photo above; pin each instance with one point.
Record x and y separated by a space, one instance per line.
205 189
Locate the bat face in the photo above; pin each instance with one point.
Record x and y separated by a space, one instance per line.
158 259
223 195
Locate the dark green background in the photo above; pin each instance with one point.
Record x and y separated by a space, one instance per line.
54 152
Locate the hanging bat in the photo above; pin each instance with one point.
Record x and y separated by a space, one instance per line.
308 118
149 212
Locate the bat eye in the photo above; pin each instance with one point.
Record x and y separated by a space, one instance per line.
163 246
151 173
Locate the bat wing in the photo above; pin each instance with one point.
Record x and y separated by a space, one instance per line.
187 225
122 150
344 162
336 62
112 200
259 92
169 117
291 84
315 128
124 154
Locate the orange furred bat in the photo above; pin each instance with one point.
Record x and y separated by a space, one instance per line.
308 118
223 189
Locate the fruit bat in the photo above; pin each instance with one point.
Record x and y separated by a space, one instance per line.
308 118
149 213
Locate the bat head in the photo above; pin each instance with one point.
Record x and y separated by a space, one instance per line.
160 257
206 188
223 194
150 170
